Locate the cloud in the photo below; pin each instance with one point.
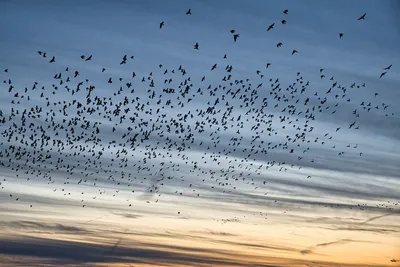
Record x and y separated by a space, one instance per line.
363 229
75 252
311 250
64 228
305 251
45 227
376 218
221 233
128 215
62 252
337 242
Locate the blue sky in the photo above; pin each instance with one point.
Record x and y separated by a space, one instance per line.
108 30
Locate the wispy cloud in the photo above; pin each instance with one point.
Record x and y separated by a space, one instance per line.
32 226
71 252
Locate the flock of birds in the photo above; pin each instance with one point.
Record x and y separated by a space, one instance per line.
128 140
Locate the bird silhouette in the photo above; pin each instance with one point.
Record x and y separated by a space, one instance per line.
362 17
270 27
388 67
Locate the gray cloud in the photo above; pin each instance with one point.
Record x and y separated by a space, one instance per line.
337 242
305 251
365 229
128 215
222 233
46 227
62 252
74 252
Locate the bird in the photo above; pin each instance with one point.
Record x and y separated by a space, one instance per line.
235 37
283 21
189 12
285 11
196 46
270 27
161 24
340 35
362 17
294 51
382 74
388 67
279 44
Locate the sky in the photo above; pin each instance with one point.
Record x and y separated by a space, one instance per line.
247 204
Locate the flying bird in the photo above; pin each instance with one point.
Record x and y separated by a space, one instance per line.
270 27
161 24
285 11
362 17
196 46
388 67
189 12
340 35
294 51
